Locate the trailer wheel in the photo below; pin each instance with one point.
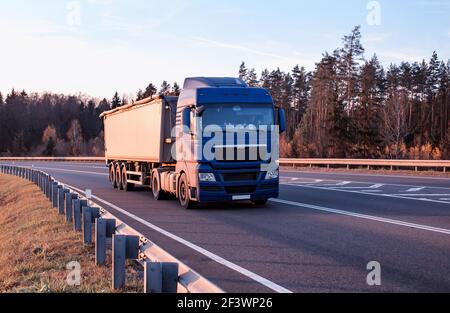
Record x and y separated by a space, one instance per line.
126 186
183 194
118 177
112 176
158 193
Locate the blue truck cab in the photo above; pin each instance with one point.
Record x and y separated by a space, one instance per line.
226 142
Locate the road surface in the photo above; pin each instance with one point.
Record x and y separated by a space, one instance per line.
319 236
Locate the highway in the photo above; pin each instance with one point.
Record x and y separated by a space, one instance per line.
318 236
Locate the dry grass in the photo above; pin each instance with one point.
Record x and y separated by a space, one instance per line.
36 245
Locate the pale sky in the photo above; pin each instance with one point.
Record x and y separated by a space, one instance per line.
99 46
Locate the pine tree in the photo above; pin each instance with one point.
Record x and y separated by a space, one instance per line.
116 102
1 98
139 95
175 89
324 125
348 58
165 88
149 91
243 72
264 80
367 115
252 78
300 95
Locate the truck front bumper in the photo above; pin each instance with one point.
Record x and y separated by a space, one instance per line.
218 192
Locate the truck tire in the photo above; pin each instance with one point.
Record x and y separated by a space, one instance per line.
126 186
183 194
158 193
112 176
118 177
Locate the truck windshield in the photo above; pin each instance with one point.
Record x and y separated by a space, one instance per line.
224 115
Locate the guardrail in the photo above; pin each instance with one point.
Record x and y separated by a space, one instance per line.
55 159
348 163
163 273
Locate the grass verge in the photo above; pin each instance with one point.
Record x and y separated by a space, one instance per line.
36 245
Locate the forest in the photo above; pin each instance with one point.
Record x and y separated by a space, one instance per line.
349 106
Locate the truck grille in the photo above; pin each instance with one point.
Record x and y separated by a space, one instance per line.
238 154
238 176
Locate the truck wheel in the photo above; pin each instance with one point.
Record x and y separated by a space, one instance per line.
260 202
118 178
126 186
183 194
112 176
158 194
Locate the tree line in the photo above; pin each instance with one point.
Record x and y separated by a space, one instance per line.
59 125
353 107
347 107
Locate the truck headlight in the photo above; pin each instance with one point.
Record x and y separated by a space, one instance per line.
273 174
207 177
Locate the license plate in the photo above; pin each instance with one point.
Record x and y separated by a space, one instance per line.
241 197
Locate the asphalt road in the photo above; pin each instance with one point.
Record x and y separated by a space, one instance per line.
319 236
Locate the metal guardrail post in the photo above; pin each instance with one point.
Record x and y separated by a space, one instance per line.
78 204
87 224
104 228
100 241
54 194
70 197
124 247
153 277
61 193
118 261
160 277
88 215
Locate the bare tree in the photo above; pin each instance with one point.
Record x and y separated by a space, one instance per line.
75 137
394 126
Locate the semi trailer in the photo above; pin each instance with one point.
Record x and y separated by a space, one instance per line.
216 142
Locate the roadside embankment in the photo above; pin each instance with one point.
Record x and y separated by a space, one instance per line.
41 253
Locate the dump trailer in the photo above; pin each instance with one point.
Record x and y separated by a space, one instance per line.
213 143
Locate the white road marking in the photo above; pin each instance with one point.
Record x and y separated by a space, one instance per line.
421 194
263 281
344 183
415 189
73 171
376 186
364 216
366 193
368 175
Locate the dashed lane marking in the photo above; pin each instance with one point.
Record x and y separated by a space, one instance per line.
364 216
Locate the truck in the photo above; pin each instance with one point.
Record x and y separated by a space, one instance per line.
215 142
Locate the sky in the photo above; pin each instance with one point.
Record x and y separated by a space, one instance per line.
97 47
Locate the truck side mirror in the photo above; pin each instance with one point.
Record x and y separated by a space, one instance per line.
282 120
186 120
